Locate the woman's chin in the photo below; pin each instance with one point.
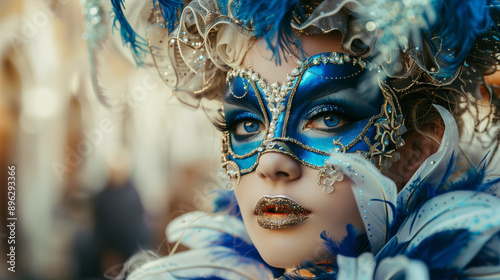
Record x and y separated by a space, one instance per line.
286 258
282 262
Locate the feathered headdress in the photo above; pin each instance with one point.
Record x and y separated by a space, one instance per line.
439 35
450 43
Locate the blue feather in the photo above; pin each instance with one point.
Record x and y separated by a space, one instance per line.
439 250
130 38
203 278
473 179
170 10
394 211
483 56
226 201
485 186
425 191
459 23
483 161
392 248
245 250
450 169
271 20
351 246
239 245
488 254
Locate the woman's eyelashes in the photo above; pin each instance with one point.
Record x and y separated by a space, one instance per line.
248 127
245 125
324 122
326 118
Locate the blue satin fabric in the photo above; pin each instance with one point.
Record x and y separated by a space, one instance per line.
328 87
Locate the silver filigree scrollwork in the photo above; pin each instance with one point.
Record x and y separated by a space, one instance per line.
230 175
328 175
229 172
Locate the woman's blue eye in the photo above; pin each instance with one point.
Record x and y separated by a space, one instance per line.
245 124
324 122
331 121
248 127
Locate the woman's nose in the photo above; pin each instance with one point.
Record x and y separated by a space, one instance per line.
278 167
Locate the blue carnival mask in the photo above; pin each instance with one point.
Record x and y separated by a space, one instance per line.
316 111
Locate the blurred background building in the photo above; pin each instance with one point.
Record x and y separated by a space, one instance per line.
93 184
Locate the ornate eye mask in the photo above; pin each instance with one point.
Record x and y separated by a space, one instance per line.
316 111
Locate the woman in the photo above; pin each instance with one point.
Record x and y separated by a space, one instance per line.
339 137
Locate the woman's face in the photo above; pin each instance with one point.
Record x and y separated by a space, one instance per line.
284 209
280 177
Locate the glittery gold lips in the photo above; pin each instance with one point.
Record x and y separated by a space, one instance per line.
279 212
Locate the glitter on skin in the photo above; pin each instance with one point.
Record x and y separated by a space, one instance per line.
279 212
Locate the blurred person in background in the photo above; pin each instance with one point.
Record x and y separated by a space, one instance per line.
119 229
51 129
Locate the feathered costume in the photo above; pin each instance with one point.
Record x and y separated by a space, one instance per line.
444 224
433 229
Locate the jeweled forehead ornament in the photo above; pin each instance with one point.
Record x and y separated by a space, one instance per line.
376 135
